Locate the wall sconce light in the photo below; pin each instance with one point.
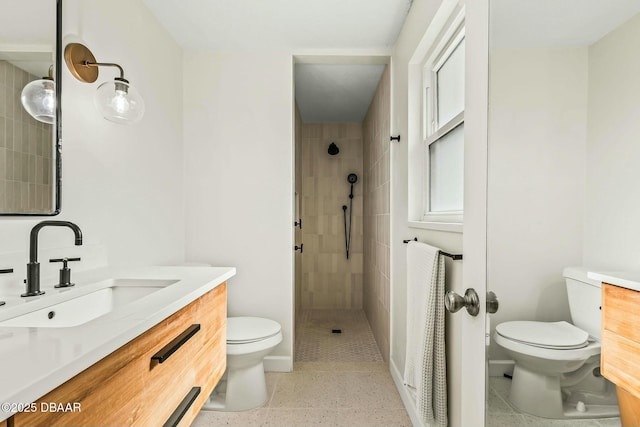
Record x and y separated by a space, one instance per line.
39 98
117 100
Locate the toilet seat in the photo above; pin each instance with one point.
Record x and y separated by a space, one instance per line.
246 330
547 335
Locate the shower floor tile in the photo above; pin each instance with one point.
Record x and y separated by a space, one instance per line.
318 343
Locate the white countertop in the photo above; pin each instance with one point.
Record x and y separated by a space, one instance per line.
34 361
624 279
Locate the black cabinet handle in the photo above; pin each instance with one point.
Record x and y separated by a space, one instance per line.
182 408
166 351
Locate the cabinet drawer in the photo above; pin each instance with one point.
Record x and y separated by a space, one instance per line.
169 381
620 312
621 361
108 392
129 388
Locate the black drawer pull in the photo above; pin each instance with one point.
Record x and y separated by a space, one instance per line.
174 345
182 408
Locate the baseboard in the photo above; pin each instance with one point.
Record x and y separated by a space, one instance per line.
278 364
407 399
497 368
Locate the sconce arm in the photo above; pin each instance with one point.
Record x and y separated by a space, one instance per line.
104 64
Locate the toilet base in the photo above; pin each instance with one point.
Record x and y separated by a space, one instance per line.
240 389
543 396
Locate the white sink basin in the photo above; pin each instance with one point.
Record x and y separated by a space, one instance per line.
81 309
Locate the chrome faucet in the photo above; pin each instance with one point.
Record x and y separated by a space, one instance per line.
33 267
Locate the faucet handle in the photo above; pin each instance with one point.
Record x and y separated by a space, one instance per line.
65 272
64 261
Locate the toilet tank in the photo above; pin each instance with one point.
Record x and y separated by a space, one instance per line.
585 300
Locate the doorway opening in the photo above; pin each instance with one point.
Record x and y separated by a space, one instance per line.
342 163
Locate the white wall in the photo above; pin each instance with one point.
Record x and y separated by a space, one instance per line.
612 210
418 20
238 133
537 140
121 184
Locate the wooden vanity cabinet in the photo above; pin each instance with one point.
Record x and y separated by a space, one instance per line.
163 375
620 354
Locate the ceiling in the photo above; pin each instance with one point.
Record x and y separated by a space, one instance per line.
553 23
324 92
335 92
277 24
342 92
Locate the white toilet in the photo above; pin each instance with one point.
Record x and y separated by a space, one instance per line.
243 387
556 372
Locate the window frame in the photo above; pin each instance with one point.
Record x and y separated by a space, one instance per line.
432 130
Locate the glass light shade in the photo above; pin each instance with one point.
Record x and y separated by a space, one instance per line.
119 102
39 100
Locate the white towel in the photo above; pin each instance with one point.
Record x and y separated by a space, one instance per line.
425 366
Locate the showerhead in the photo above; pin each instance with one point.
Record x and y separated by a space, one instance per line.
333 149
352 178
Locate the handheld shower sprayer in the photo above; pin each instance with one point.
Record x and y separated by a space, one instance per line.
352 178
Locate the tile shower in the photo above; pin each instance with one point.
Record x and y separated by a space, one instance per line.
26 149
327 280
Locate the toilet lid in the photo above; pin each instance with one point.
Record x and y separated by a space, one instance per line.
554 335
242 330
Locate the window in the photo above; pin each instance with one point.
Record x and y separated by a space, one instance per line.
443 128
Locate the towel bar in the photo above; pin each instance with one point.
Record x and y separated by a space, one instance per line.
454 257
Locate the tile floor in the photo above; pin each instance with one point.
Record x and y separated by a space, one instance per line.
319 344
501 414
337 380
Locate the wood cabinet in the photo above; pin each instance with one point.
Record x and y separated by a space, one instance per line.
163 375
620 356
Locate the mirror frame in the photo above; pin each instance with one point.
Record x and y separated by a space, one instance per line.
57 199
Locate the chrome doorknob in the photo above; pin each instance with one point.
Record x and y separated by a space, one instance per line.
492 303
454 302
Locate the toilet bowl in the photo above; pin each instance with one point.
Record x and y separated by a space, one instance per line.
243 387
556 373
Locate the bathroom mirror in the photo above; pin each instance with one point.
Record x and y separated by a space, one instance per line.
30 163
563 122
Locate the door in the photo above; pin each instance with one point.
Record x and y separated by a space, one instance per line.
472 357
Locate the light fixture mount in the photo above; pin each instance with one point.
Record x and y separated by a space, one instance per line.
116 100
78 56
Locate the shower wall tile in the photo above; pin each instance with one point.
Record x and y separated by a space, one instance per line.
329 280
376 242
26 149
